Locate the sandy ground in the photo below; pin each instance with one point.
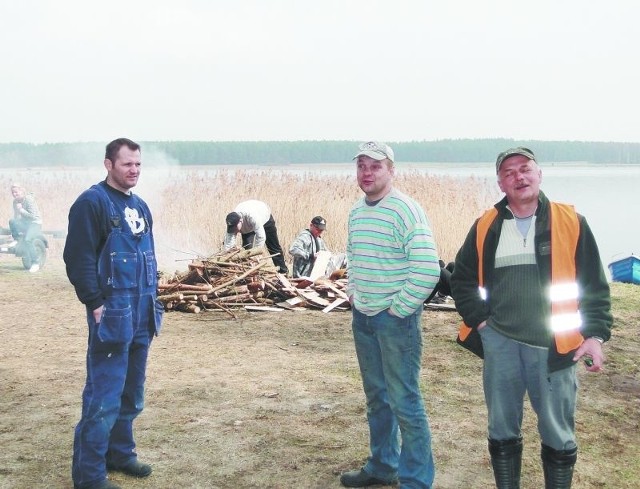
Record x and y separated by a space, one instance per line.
268 400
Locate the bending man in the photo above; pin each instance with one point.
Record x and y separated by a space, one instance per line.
253 220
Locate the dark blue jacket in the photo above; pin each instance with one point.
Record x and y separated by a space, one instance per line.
89 225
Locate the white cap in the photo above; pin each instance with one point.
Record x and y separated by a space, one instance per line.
376 150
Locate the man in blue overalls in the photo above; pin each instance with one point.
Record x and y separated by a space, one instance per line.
110 260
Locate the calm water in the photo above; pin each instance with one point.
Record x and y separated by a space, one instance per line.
608 196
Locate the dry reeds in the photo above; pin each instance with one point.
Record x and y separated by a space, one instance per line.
189 204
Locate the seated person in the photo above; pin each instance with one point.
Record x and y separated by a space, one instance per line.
26 221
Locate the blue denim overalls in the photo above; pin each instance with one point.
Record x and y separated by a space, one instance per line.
118 346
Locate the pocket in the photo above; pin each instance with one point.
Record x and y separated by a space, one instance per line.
400 335
150 266
123 269
116 325
158 314
396 321
391 317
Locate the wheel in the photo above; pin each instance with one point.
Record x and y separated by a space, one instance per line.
40 250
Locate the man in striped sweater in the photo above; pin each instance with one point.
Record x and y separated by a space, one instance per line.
392 268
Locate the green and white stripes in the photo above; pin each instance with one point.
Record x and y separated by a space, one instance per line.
392 257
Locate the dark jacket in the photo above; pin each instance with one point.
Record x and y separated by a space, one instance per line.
594 300
89 226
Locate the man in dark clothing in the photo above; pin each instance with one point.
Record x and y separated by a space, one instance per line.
529 285
110 260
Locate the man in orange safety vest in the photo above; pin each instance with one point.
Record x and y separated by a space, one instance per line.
531 290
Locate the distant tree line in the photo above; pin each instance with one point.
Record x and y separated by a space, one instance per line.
293 152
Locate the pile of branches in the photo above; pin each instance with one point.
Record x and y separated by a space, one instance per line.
247 279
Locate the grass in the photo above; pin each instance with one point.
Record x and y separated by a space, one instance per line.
275 400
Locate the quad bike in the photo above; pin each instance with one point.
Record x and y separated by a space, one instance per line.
39 243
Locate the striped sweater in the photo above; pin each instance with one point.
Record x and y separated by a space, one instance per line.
521 315
392 257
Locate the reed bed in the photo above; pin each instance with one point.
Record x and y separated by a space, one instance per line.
189 204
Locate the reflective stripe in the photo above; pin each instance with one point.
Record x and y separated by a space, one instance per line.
565 321
483 293
483 224
563 292
565 317
570 321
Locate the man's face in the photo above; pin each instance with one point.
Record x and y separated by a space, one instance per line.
316 231
124 172
18 193
519 178
375 177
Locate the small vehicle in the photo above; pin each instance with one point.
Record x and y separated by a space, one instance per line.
39 243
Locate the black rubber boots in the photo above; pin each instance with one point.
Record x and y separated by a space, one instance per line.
558 467
506 459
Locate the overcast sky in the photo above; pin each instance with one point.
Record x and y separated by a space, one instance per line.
151 70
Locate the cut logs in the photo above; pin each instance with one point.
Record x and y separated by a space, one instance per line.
246 279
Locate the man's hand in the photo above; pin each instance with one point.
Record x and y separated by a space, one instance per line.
97 314
591 350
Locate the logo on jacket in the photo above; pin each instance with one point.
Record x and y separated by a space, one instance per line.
134 220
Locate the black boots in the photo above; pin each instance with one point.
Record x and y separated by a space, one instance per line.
558 467
506 459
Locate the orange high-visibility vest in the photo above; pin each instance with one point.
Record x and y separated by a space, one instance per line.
565 316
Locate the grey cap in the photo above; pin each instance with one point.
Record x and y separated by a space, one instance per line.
319 222
520 150
376 150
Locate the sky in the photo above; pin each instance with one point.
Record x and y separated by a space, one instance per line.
252 70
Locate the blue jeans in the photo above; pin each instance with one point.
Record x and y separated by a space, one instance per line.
112 398
29 230
389 351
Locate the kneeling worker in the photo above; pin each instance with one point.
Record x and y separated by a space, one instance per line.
306 246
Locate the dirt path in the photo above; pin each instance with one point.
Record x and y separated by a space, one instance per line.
270 400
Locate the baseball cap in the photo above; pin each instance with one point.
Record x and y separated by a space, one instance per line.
376 150
319 222
520 150
233 218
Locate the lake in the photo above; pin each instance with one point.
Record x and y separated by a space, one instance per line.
607 195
